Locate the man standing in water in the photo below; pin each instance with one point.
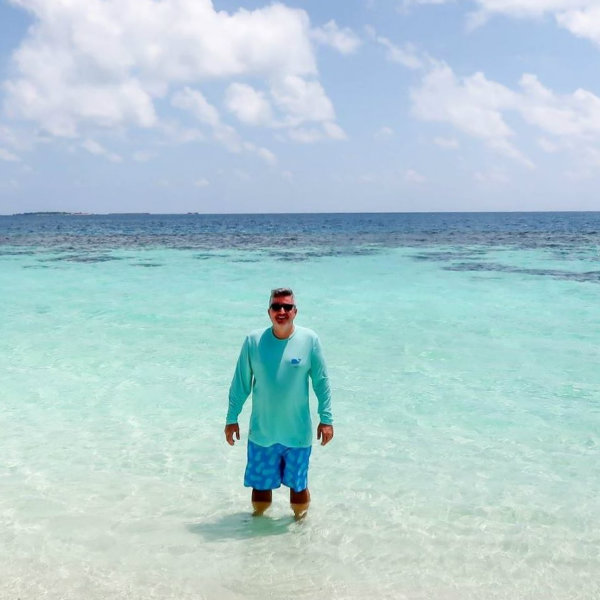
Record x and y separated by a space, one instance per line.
275 364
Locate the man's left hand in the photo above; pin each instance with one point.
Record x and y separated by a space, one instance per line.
324 433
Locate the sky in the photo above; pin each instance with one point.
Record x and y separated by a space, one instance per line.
170 106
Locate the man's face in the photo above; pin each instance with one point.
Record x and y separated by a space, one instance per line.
280 316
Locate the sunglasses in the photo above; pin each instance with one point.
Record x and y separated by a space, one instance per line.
277 306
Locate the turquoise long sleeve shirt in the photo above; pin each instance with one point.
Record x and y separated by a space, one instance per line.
276 372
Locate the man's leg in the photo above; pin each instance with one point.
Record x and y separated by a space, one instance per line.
263 474
295 476
261 500
299 501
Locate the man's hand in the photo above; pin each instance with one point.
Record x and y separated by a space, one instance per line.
232 431
324 433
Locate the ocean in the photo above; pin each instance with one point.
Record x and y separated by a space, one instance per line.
463 352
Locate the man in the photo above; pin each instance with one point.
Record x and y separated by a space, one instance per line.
275 365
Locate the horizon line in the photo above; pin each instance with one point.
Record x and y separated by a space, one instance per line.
197 213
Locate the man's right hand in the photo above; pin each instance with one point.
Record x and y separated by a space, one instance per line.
232 431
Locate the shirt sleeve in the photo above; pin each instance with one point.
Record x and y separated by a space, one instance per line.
241 384
320 383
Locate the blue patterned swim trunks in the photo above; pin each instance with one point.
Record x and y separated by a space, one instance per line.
268 467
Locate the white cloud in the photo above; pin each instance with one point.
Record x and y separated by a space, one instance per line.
333 131
306 136
263 153
95 148
302 100
449 143
8 156
106 63
577 114
580 17
194 102
248 105
408 3
201 183
343 40
478 107
298 102
582 22
533 8
412 176
310 135
474 105
406 55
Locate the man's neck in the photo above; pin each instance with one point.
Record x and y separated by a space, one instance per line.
282 333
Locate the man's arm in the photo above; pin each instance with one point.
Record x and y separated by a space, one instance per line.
320 384
241 386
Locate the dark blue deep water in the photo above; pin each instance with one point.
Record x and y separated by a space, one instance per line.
330 232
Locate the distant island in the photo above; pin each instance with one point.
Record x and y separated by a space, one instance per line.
61 213
48 212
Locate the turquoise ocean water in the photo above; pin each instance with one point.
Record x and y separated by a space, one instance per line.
464 357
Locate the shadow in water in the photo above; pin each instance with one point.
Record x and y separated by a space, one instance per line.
239 526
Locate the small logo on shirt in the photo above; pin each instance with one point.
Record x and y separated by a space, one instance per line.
296 361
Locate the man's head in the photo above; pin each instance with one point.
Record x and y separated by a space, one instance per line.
282 310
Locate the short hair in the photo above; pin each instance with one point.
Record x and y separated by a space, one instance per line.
279 292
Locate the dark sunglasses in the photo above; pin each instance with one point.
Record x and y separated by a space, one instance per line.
277 306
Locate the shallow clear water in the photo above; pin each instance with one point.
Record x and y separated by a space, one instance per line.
463 352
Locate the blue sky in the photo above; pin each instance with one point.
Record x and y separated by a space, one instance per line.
299 106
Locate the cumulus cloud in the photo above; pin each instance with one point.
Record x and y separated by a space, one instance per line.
343 40
293 103
583 22
194 102
309 135
406 55
109 63
474 105
263 153
306 135
576 114
580 17
201 183
249 105
302 100
478 107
